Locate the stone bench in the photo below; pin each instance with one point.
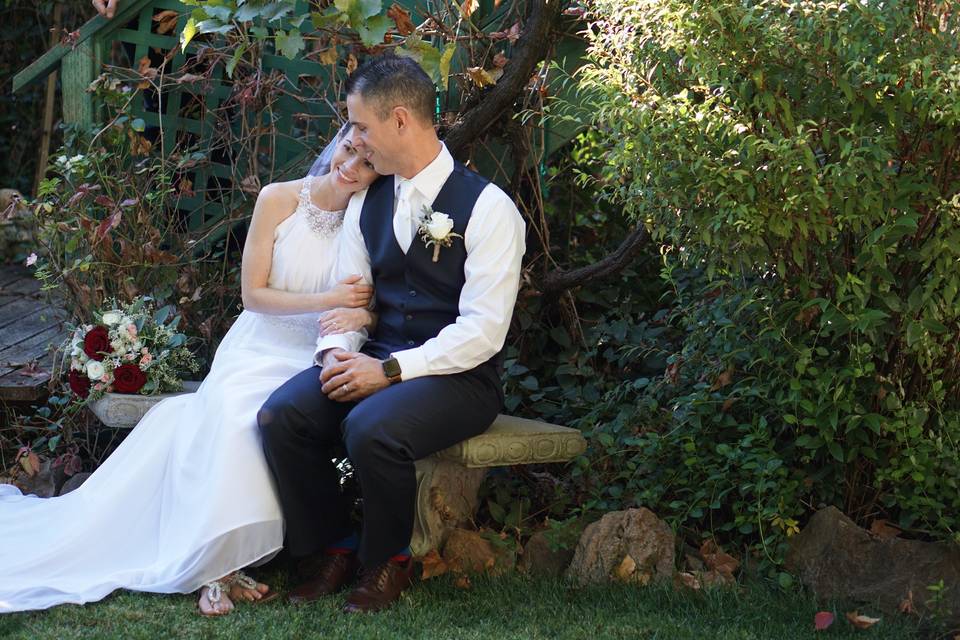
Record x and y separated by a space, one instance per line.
447 482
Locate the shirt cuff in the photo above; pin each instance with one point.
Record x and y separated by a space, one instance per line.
413 363
334 341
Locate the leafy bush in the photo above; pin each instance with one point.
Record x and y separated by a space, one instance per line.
798 167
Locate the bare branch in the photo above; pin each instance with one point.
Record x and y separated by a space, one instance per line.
562 279
530 50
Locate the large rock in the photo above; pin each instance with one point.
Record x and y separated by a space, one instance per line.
630 546
74 482
838 559
539 559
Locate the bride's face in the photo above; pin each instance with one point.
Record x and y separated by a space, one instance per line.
349 169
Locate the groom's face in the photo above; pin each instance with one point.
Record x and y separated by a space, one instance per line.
380 140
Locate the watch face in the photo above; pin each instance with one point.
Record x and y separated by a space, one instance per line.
391 368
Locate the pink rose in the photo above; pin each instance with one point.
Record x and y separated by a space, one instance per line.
132 330
145 360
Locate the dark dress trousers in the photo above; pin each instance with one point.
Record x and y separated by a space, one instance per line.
386 432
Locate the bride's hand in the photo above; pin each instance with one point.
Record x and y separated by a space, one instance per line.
343 320
352 293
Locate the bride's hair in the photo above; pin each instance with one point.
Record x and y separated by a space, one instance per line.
321 165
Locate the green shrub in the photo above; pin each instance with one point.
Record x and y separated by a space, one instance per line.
797 164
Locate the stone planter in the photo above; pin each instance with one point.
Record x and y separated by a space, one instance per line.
124 410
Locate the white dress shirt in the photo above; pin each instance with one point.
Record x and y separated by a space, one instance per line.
494 240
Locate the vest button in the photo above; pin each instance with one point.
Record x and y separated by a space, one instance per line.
413 294
409 316
411 342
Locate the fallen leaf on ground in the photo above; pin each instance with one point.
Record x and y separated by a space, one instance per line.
462 582
688 580
717 559
822 620
625 571
861 621
433 565
906 606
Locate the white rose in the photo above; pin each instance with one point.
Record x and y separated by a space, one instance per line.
118 347
111 318
95 370
439 226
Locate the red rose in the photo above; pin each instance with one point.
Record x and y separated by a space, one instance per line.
128 378
79 384
96 343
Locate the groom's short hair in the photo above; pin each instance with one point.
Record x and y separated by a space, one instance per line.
390 81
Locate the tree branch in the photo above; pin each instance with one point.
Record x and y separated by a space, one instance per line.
562 279
530 50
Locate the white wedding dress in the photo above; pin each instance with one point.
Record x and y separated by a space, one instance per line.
187 497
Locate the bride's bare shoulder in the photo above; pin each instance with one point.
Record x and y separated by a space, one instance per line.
279 192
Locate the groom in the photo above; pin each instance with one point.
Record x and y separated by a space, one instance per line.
427 377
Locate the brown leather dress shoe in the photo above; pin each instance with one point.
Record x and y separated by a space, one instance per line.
332 573
380 587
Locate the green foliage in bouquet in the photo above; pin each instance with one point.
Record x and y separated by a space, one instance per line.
798 166
129 348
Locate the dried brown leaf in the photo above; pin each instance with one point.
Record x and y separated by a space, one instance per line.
686 580
500 60
883 529
723 379
462 582
401 18
328 56
717 559
624 572
29 461
433 565
351 63
861 621
166 21
906 605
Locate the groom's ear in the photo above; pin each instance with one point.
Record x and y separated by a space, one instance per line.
401 118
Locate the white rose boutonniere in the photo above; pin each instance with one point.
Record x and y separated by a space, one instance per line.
436 230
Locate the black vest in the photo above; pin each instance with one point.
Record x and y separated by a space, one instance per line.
415 296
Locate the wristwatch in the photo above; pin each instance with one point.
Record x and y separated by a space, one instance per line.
391 369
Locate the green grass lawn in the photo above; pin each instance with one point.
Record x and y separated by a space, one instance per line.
508 607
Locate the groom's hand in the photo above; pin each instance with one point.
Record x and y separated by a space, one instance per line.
351 377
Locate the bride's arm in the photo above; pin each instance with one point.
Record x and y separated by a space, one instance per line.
275 204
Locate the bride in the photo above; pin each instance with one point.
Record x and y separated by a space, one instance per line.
186 500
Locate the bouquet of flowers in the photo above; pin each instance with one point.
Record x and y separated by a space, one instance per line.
129 348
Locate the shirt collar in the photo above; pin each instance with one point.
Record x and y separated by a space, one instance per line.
431 178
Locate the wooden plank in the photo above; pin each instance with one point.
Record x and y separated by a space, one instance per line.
34 348
79 70
16 387
13 313
31 324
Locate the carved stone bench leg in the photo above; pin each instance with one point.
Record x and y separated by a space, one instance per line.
446 497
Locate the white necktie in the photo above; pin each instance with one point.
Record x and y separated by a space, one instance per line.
403 218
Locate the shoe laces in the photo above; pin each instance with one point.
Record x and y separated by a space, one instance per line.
375 578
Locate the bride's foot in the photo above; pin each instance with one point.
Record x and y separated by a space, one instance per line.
245 588
214 600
